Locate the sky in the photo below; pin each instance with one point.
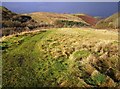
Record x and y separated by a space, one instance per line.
102 9
60 0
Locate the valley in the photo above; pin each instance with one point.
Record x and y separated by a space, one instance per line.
46 49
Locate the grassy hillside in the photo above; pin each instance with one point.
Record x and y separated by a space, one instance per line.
64 57
109 22
55 18
13 23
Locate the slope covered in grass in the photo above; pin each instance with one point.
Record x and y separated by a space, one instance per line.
63 57
109 22
55 18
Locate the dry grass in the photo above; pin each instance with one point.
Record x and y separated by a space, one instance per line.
63 57
52 17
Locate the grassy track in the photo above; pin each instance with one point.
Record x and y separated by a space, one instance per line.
59 57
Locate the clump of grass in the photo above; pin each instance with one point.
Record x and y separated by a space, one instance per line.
77 55
96 80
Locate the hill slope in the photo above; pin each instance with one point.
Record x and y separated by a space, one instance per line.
58 20
110 22
13 23
87 18
64 57
6 14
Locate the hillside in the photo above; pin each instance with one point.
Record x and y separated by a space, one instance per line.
14 23
6 14
109 22
58 20
63 57
87 18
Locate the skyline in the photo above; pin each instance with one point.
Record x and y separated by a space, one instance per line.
102 9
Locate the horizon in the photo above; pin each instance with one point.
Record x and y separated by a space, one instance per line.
90 8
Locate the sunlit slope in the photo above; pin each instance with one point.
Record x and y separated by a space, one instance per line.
55 18
63 57
109 22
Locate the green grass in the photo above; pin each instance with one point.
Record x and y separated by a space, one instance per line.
43 59
97 79
80 54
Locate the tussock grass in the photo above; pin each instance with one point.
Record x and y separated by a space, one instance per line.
63 57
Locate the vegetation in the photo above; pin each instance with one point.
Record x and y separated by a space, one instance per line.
59 57
109 22
64 57
15 23
67 23
87 18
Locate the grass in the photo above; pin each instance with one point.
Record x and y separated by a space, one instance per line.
80 54
109 22
43 59
97 80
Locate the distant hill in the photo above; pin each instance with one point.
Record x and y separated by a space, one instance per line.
87 18
58 20
13 23
109 22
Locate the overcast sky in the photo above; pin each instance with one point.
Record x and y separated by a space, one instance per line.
102 9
